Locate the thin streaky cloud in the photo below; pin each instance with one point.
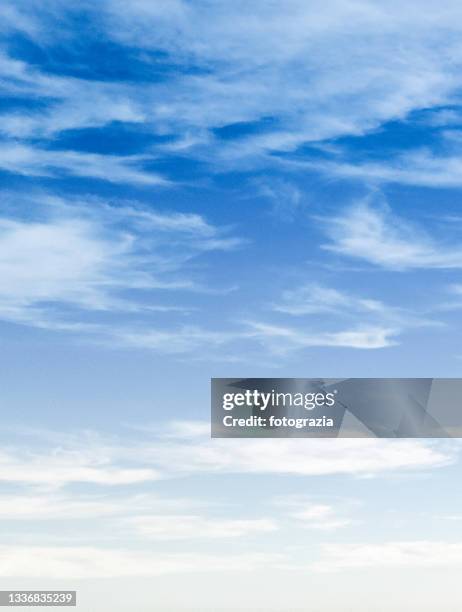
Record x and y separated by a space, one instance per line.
316 299
282 339
90 562
55 459
187 527
315 515
394 555
379 236
75 255
326 95
55 469
423 168
33 161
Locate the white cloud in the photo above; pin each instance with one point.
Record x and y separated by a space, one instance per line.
69 102
319 516
61 260
286 198
317 71
42 502
183 339
421 167
140 516
185 527
196 454
12 19
333 65
281 339
390 555
74 562
33 161
73 256
58 467
315 515
278 340
451 517
311 298
314 299
27 506
90 457
379 237
76 256
181 429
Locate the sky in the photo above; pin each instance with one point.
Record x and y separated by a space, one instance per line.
196 189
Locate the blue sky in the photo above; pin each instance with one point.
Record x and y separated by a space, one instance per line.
197 189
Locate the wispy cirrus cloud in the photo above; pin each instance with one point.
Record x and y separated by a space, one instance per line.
240 65
73 264
282 339
329 94
315 300
380 237
278 340
61 102
12 19
421 167
73 256
178 340
33 161
71 260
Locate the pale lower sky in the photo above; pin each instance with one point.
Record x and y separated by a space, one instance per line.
162 517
